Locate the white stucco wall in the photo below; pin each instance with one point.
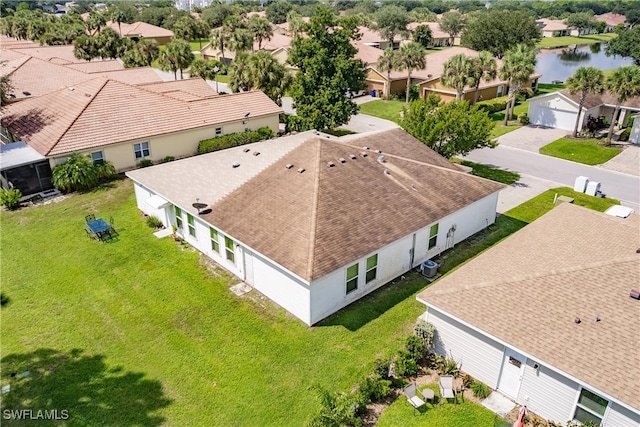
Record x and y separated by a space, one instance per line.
554 111
634 138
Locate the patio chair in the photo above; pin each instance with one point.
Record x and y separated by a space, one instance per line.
111 223
447 388
89 217
90 234
411 392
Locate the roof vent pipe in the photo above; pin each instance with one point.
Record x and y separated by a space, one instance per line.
381 159
387 172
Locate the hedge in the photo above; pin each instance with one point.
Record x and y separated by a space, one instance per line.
493 105
234 140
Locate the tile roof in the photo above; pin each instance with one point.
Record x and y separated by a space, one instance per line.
373 36
141 29
552 24
611 19
57 54
528 289
594 99
11 43
97 66
436 32
84 116
186 90
367 54
315 222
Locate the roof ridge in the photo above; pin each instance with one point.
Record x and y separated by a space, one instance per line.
314 210
80 113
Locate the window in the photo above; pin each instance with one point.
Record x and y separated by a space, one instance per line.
215 246
141 150
372 267
178 218
433 236
228 244
500 91
352 278
97 157
218 131
192 225
590 407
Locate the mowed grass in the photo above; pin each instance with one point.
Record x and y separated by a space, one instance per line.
389 110
587 151
554 42
494 174
136 331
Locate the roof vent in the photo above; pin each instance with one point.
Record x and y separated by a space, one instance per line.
25 93
353 157
246 150
381 159
256 153
387 172
288 166
634 294
71 88
577 320
315 132
366 148
300 170
379 151
363 154
88 95
236 164
342 160
331 164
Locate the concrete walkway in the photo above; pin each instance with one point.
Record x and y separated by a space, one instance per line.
525 189
530 138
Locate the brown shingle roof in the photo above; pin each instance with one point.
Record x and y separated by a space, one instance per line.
70 120
527 291
594 99
335 215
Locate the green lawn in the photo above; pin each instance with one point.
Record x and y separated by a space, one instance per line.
587 151
389 110
554 42
195 44
494 174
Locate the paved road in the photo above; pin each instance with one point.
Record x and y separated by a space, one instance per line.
614 184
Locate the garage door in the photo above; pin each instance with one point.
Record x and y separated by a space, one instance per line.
549 117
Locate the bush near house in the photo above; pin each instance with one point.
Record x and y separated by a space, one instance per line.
10 199
493 105
234 140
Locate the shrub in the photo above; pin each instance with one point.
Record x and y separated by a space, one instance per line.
624 136
449 366
154 222
167 159
337 409
415 347
405 365
10 199
234 140
467 380
381 367
480 390
425 331
493 105
294 124
145 163
4 299
373 388
77 173
523 119
104 170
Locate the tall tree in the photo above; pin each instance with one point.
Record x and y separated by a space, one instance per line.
95 22
517 67
277 11
625 83
585 80
422 34
457 73
260 30
483 67
220 39
176 56
260 71
387 63
141 54
110 44
205 69
295 23
499 30
202 31
451 129
327 70
84 47
118 15
185 28
627 44
216 14
392 21
452 23
411 57
582 21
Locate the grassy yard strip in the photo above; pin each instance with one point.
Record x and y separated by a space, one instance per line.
587 151
494 174
389 110
555 42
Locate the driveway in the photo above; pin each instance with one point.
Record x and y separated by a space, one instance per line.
531 138
626 162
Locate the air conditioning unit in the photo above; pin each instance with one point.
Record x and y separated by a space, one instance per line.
429 269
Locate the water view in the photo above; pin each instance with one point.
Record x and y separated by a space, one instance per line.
560 64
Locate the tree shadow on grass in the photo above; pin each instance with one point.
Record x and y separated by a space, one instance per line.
91 392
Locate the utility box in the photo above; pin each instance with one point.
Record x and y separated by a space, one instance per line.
429 268
581 184
593 188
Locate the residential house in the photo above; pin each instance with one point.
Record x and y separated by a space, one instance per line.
373 38
276 44
545 317
123 124
612 20
555 28
142 30
439 38
560 109
315 223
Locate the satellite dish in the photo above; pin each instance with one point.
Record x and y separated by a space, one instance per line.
199 206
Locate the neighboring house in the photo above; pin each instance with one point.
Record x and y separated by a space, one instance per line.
276 44
315 223
559 109
634 137
439 38
373 38
555 28
24 168
123 124
545 317
612 20
60 55
142 30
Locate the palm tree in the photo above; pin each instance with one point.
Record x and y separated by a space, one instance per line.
241 40
176 56
411 57
261 30
456 73
519 63
624 82
219 39
388 62
118 15
239 73
268 75
77 173
95 21
295 23
585 80
482 68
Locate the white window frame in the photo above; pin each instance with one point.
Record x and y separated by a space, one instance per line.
432 236
353 279
373 269
191 223
596 415
215 243
230 252
97 160
139 148
179 221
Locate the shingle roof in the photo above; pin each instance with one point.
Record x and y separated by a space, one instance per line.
84 117
528 289
594 99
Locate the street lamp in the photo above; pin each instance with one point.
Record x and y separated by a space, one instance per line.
215 72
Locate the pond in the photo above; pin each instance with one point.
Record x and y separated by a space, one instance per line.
560 64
